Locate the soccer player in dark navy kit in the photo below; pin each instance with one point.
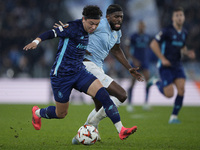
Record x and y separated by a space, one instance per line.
168 45
68 71
137 51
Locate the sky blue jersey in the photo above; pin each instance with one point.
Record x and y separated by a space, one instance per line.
101 41
71 49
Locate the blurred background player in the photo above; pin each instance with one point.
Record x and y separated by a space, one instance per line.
168 46
68 71
137 52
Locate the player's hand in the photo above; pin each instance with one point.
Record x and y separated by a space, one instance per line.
191 54
61 24
32 45
136 74
88 53
166 62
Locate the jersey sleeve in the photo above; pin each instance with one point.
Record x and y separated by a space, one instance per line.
161 36
119 33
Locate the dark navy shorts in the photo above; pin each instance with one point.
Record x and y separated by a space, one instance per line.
62 86
169 74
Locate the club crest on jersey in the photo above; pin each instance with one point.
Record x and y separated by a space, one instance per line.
60 95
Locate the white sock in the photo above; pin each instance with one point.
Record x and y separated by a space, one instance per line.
101 113
90 116
173 117
97 117
115 101
118 126
37 112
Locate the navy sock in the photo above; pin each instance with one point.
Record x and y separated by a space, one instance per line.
159 84
130 94
109 107
49 112
147 94
177 104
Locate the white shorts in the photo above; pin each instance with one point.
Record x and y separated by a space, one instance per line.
98 72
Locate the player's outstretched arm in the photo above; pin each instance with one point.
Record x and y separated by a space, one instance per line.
119 55
156 49
44 36
33 44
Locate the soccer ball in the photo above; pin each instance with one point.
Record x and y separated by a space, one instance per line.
87 135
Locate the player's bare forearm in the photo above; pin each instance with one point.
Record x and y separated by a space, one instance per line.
119 55
33 44
156 49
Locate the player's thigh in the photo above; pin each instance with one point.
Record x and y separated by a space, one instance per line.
87 83
167 78
169 90
94 87
62 87
180 85
62 109
99 73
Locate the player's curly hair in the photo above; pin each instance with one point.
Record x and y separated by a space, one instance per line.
113 8
179 8
92 12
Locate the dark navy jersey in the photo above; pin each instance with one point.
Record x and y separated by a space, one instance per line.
71 49
139 45
171 42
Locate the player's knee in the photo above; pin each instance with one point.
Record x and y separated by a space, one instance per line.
169 94
181 91
123 96
62 115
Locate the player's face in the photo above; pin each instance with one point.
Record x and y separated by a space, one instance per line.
178 18
115 20
141 27
90 25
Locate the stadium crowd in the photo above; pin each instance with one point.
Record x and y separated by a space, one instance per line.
21 19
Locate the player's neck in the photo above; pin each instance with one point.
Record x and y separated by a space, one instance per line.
177 27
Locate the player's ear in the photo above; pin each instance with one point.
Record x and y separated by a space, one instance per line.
83 19
108 17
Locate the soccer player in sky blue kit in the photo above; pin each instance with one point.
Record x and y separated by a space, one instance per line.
137 51
168 45
68 71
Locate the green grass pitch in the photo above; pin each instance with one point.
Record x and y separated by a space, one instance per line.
154 132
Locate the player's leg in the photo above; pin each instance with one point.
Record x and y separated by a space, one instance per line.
118 93
99 92
129 107
110 85
165 85
146 75
51 112
61 90
180 85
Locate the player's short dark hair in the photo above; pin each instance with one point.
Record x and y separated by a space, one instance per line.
92 12
113 8
178 9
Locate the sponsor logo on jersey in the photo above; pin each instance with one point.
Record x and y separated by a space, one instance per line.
81 46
